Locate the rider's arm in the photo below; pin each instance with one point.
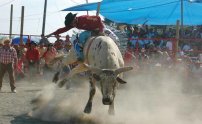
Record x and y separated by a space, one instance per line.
59 31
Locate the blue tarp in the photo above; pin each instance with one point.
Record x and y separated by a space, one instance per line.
154 12
16 40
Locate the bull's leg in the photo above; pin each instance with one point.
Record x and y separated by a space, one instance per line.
56 77
78 69
88 107
111 109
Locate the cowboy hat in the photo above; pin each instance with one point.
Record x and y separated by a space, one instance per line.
69 18
7 40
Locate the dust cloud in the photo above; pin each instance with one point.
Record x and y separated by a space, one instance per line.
149 97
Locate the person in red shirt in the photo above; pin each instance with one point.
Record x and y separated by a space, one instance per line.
92 24
85 22
49 55
32 56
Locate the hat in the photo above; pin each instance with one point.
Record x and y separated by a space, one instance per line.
69 18
7 40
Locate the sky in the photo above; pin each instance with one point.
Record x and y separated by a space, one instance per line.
33 15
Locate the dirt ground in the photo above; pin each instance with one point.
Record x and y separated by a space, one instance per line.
146 99
14 107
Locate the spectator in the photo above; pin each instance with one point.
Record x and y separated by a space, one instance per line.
128 55
169 45
49 55
186 47
19 67
129 31
42 50
58 43
67 40
143 58
33 57
8 60
67 47
44 40
67 44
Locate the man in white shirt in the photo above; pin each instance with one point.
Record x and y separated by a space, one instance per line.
169 45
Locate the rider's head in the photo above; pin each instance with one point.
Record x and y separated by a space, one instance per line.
69 19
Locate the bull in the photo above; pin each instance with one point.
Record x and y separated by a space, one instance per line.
104 60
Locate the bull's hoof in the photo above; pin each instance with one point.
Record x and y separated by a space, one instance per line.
88 108
111 112
61 83
56 77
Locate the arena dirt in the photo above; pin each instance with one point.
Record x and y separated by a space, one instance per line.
148 98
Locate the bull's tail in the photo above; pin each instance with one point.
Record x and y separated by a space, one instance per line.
56 77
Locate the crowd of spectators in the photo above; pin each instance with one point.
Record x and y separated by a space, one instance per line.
149 46
34 58
160 37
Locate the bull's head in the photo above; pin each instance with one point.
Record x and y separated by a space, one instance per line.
108 79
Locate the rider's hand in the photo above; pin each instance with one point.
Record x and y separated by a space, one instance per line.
48 35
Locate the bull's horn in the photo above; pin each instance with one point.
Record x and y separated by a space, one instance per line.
93 69
123 69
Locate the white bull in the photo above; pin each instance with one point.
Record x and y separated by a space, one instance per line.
105 62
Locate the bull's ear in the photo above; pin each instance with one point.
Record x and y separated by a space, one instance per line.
121 81
97 77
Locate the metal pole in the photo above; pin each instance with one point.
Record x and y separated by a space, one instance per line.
182 18
176 42
44 18
22 26
11 21
87 3
98 9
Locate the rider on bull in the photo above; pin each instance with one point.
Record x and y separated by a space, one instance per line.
92 24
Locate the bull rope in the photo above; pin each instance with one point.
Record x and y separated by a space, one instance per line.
88 48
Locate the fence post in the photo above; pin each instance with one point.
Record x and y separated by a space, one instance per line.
22 26
175 43
98 9
11 21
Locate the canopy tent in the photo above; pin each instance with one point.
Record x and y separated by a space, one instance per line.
154 12
16 40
